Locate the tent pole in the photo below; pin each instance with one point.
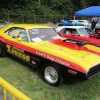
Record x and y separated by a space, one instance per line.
74 17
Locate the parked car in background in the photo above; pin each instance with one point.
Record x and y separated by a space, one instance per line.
85 22
3 23
41 47
69 23
82 33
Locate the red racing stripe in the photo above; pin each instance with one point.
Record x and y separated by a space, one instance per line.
73 46
45 55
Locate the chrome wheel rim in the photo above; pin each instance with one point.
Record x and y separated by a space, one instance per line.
51 75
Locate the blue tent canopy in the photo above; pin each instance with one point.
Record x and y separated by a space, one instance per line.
90 11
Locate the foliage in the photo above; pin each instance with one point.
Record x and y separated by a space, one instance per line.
57 6
44 8
28 80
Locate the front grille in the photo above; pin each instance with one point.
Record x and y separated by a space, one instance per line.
93 71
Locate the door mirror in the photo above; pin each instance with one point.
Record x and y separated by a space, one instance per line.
19 39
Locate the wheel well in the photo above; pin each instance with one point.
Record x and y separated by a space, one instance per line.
41 64
52 70
44 62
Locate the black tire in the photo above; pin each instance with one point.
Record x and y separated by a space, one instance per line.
2 52
51 74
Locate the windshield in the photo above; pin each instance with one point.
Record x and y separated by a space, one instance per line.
42 34
85 31
81 21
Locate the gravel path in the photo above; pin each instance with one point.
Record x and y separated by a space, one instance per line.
2 97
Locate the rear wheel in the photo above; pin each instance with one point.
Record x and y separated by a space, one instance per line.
51 74
2 52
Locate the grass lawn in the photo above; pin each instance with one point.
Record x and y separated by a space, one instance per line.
28 80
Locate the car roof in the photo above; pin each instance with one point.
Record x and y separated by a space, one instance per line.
27 26
70 27
79 20
73 27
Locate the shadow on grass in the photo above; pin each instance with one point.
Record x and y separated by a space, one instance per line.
23 63
73 81
69 81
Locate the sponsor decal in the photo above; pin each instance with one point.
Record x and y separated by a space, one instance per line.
18 52
37 39
33 62
49 57
17 49
72 72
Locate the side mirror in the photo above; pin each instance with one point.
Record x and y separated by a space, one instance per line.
19 39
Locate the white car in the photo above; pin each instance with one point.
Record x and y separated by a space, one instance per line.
80 33
4 23
77 30
85 22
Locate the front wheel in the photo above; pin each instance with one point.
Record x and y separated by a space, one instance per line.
51 74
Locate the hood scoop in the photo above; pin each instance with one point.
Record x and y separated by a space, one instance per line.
77 42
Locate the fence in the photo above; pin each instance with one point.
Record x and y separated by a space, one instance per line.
29 18
16 94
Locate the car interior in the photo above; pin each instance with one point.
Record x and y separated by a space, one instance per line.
70 31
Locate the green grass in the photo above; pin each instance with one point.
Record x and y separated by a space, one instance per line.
28 80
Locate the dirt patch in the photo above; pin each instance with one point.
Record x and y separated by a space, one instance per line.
2 96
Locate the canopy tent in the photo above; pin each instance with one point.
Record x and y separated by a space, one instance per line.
90 11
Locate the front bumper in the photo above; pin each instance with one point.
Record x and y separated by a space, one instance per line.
93 71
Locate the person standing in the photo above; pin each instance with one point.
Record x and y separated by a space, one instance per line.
94 21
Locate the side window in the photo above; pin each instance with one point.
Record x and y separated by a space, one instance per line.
74 32
63 30
67 31
70 31
23 35
18 33
13 32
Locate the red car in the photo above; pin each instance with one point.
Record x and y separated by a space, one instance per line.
82 33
